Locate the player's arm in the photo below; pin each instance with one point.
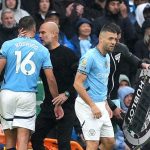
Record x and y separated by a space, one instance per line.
78 85
51 82
2 63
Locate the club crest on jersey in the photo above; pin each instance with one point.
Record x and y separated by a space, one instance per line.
92 132
117 57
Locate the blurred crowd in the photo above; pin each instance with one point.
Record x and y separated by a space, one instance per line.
80 22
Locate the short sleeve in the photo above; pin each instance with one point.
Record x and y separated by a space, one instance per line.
47 61
85 64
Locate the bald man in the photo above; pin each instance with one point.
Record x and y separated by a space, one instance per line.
64 64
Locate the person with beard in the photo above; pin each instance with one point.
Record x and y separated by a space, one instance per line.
91 82
112 14
65 65
120 58
15 6
142 47
8 28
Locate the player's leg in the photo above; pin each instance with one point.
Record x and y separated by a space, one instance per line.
24 118
23 136
92 145
107 143
7 109
107 133
90 125
10 138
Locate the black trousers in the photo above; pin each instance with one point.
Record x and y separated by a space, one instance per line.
46 121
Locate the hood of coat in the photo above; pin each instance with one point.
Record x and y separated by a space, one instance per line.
139 13
18 3
122 93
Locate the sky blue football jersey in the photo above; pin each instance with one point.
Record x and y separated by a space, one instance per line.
97 68
25 58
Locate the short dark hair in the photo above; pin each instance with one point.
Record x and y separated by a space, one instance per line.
111 27
26 23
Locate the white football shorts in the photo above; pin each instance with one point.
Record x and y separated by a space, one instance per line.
92 128
17 109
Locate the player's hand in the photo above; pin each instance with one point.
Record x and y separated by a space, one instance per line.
96 112
60 99
59 113
117 113
22 32
109 110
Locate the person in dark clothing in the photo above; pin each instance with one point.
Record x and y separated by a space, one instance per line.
84 39
54 16
64 64
8 28
120 52
142 47
112 14
29 6
43 6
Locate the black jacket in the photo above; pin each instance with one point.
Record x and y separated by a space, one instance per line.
120 52
7 34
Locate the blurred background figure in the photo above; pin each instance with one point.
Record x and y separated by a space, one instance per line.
125 94
8 27
84 39
124 80
54 16
142 12
14 5
142 46
113 14
43 6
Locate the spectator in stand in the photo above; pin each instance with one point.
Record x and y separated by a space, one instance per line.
75 9
124 80
29 6
142 13
84 39
120 53
54 16
113 14
8 28
142 47
43 6
125 94
14 5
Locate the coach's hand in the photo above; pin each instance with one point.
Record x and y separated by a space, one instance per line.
60 99
117 113
59 113
96 112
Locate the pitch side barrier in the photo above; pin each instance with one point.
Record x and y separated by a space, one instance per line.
136 125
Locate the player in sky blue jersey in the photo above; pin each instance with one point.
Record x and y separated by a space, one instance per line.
91 83
23 58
